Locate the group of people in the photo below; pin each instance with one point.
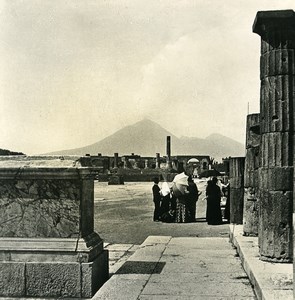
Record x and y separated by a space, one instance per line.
178 203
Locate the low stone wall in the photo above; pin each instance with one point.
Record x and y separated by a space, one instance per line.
48 247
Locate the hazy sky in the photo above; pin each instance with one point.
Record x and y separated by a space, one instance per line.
73 72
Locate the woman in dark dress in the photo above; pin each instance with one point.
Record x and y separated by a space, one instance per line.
192 198
213 193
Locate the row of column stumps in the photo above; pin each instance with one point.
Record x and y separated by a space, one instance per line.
269 182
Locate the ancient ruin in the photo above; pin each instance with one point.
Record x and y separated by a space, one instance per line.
48 247
277 70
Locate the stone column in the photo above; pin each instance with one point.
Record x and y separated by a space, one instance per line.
116 159
157 160
48 247
168 158
236 174
251 205
277 70
146 163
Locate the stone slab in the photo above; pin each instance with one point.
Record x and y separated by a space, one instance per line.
180 274
53 280
120 288
94 274
184 289
270 280
12 279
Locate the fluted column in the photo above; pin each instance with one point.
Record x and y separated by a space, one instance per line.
251 203
277 70
236 171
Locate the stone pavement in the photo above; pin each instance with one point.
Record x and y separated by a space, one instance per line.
270 280
176 268
195 268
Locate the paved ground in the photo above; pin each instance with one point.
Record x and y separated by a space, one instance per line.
185 261
123 215
165 268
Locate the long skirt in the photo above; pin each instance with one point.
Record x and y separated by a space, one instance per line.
182 213
213 212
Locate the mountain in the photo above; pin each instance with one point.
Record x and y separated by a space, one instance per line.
146 138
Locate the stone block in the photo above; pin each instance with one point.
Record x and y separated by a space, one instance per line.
250 212
276 104
94 274
39 208
237 167
253 131
277 62
251 165
12 279
276 178
276 149
236 205
275 226
59 280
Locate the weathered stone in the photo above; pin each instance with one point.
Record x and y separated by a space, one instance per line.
276 104
39 210
251 165
253 131
47 226
237 167
53 280
275 225
12 279
94 274
236 175
276 179
250 212
275 149
277 31
236 205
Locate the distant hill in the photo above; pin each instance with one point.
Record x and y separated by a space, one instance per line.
8 152
146 138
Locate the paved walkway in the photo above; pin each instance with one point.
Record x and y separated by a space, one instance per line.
271 281
177 268
195 268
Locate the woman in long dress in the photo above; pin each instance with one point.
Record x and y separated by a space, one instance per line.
180 192
213 193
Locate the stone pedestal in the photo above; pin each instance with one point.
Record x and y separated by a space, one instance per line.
251 203
236 175
48 247
277 70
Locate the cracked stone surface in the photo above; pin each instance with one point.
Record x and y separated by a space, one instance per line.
39 208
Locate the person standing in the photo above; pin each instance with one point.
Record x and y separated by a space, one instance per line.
213 212
192 198
157 199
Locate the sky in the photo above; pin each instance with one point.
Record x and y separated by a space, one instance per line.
74 72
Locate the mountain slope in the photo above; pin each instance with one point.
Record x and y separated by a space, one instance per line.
146 138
